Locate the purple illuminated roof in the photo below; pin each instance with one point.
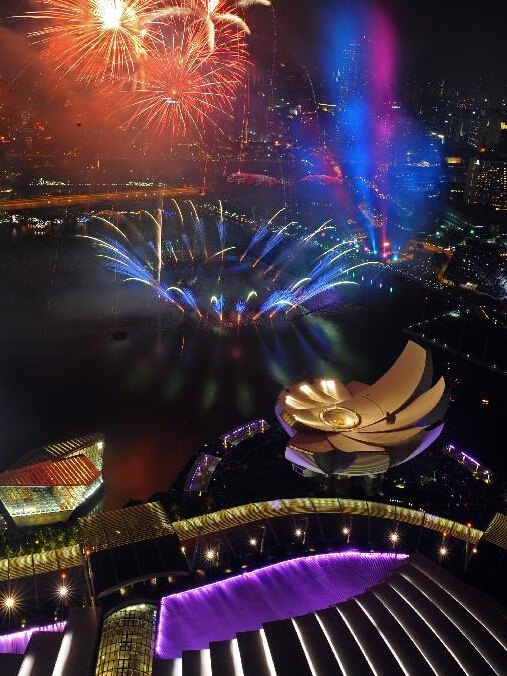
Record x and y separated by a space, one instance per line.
190 620
16 643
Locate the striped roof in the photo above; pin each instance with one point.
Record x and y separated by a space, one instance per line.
77 470
59 450
496 533
418 621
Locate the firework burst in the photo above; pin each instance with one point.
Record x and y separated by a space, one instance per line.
210 13
185 86
188 277
95 40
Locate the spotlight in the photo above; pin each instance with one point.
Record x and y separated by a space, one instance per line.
298 532
253 542
9 602
345 530
394 537
442 551
63 590
210 554
474 550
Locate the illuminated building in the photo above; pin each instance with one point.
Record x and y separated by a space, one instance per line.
361 429
479 264
127 641
476 468
341 611
47 484
352 74
206 462
486 182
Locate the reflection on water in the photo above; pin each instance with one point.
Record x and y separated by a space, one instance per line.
173 383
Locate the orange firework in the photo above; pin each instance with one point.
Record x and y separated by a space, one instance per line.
185 85
96 40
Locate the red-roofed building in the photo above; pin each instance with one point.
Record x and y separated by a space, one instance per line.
49 483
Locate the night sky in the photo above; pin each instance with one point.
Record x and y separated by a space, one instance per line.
436 38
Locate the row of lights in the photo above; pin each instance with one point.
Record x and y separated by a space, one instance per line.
394 537
10 602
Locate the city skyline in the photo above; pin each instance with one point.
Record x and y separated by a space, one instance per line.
261 246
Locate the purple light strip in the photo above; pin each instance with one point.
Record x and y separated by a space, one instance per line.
470 459
16 642
256 424
204 463
191 619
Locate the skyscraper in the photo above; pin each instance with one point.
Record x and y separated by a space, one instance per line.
486 182
352 73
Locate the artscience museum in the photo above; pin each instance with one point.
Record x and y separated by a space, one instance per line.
357 429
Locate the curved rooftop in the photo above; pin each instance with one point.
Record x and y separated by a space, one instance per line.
275 592
358 429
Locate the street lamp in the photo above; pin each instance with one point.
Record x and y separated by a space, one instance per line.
63 590
9 602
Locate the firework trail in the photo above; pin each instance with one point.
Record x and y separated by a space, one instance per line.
261 233
315 290
182 220
170 248
186 240
111 225
272 242
130 267
199 230
187 296
221 252
327 281
200 235
222 230
240 309
217 303
209 13
325 260
141 264
289 252
278 299
258 236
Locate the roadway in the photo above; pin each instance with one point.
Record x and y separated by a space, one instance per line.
54 201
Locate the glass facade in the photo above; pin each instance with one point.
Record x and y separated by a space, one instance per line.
127 642
50 482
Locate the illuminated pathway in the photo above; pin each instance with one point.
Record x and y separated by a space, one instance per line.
96 198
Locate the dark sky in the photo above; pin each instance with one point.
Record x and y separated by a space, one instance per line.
450 38
457 39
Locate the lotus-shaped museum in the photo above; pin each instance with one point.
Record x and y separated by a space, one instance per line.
359 429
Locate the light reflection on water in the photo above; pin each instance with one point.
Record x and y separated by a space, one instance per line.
172 385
